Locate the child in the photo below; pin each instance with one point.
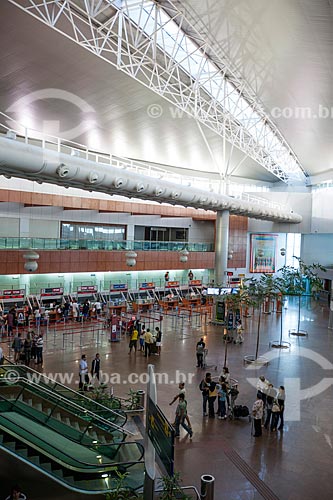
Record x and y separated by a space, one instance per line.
222 401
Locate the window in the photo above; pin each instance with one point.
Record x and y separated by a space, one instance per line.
82 231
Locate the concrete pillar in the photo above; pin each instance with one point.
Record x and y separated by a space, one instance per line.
330 318
130 232
221 246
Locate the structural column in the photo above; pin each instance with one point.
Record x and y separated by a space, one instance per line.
330 318
221 246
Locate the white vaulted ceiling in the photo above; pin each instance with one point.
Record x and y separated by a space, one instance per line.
283 49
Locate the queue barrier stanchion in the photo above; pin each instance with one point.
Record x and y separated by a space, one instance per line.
54 337
63 340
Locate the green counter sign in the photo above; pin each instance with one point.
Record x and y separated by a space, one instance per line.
162 435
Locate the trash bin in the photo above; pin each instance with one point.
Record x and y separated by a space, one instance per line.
207 487
140 398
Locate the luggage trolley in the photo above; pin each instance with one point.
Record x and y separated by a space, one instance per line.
204 360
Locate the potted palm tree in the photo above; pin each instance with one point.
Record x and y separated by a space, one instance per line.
259 290
298 281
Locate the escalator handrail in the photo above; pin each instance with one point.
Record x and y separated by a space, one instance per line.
118 445
75 405
110 445
27 368
110 465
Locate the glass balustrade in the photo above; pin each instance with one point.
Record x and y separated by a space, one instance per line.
62 244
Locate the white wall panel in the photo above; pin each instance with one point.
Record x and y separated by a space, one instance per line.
9 227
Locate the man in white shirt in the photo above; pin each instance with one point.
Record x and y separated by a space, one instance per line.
262 387
84 378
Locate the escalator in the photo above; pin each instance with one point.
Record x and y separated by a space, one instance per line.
64 440
111 412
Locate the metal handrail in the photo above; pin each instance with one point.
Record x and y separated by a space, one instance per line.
68 400
113 465
74 405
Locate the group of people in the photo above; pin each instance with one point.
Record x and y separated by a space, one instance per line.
36 316
28 349
149 343
268 409
95 371
212 391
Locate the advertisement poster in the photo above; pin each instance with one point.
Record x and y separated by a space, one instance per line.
263 250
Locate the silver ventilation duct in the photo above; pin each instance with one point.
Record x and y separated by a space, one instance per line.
27 161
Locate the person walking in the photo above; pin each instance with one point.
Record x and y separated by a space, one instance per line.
181 413
212 395
257 414
204 388
281 397
182 390
200 347
148 338
10 322
262 387
17 346
75 311
95 368
158 335
39 349
27 349
142 338
275 415
98 308
270 396
134 340
83 373
222 401
16 494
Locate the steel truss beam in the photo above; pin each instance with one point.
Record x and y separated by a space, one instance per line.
154 44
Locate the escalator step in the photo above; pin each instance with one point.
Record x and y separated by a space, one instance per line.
58 472
34 459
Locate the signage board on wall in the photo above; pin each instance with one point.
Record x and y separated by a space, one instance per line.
12 295
172 284
86 290
195 283
52 292
118 287
147 286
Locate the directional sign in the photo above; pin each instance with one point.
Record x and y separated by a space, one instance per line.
162 435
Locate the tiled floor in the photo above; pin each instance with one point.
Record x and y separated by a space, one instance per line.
294 464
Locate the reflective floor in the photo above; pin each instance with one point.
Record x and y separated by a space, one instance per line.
290 465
